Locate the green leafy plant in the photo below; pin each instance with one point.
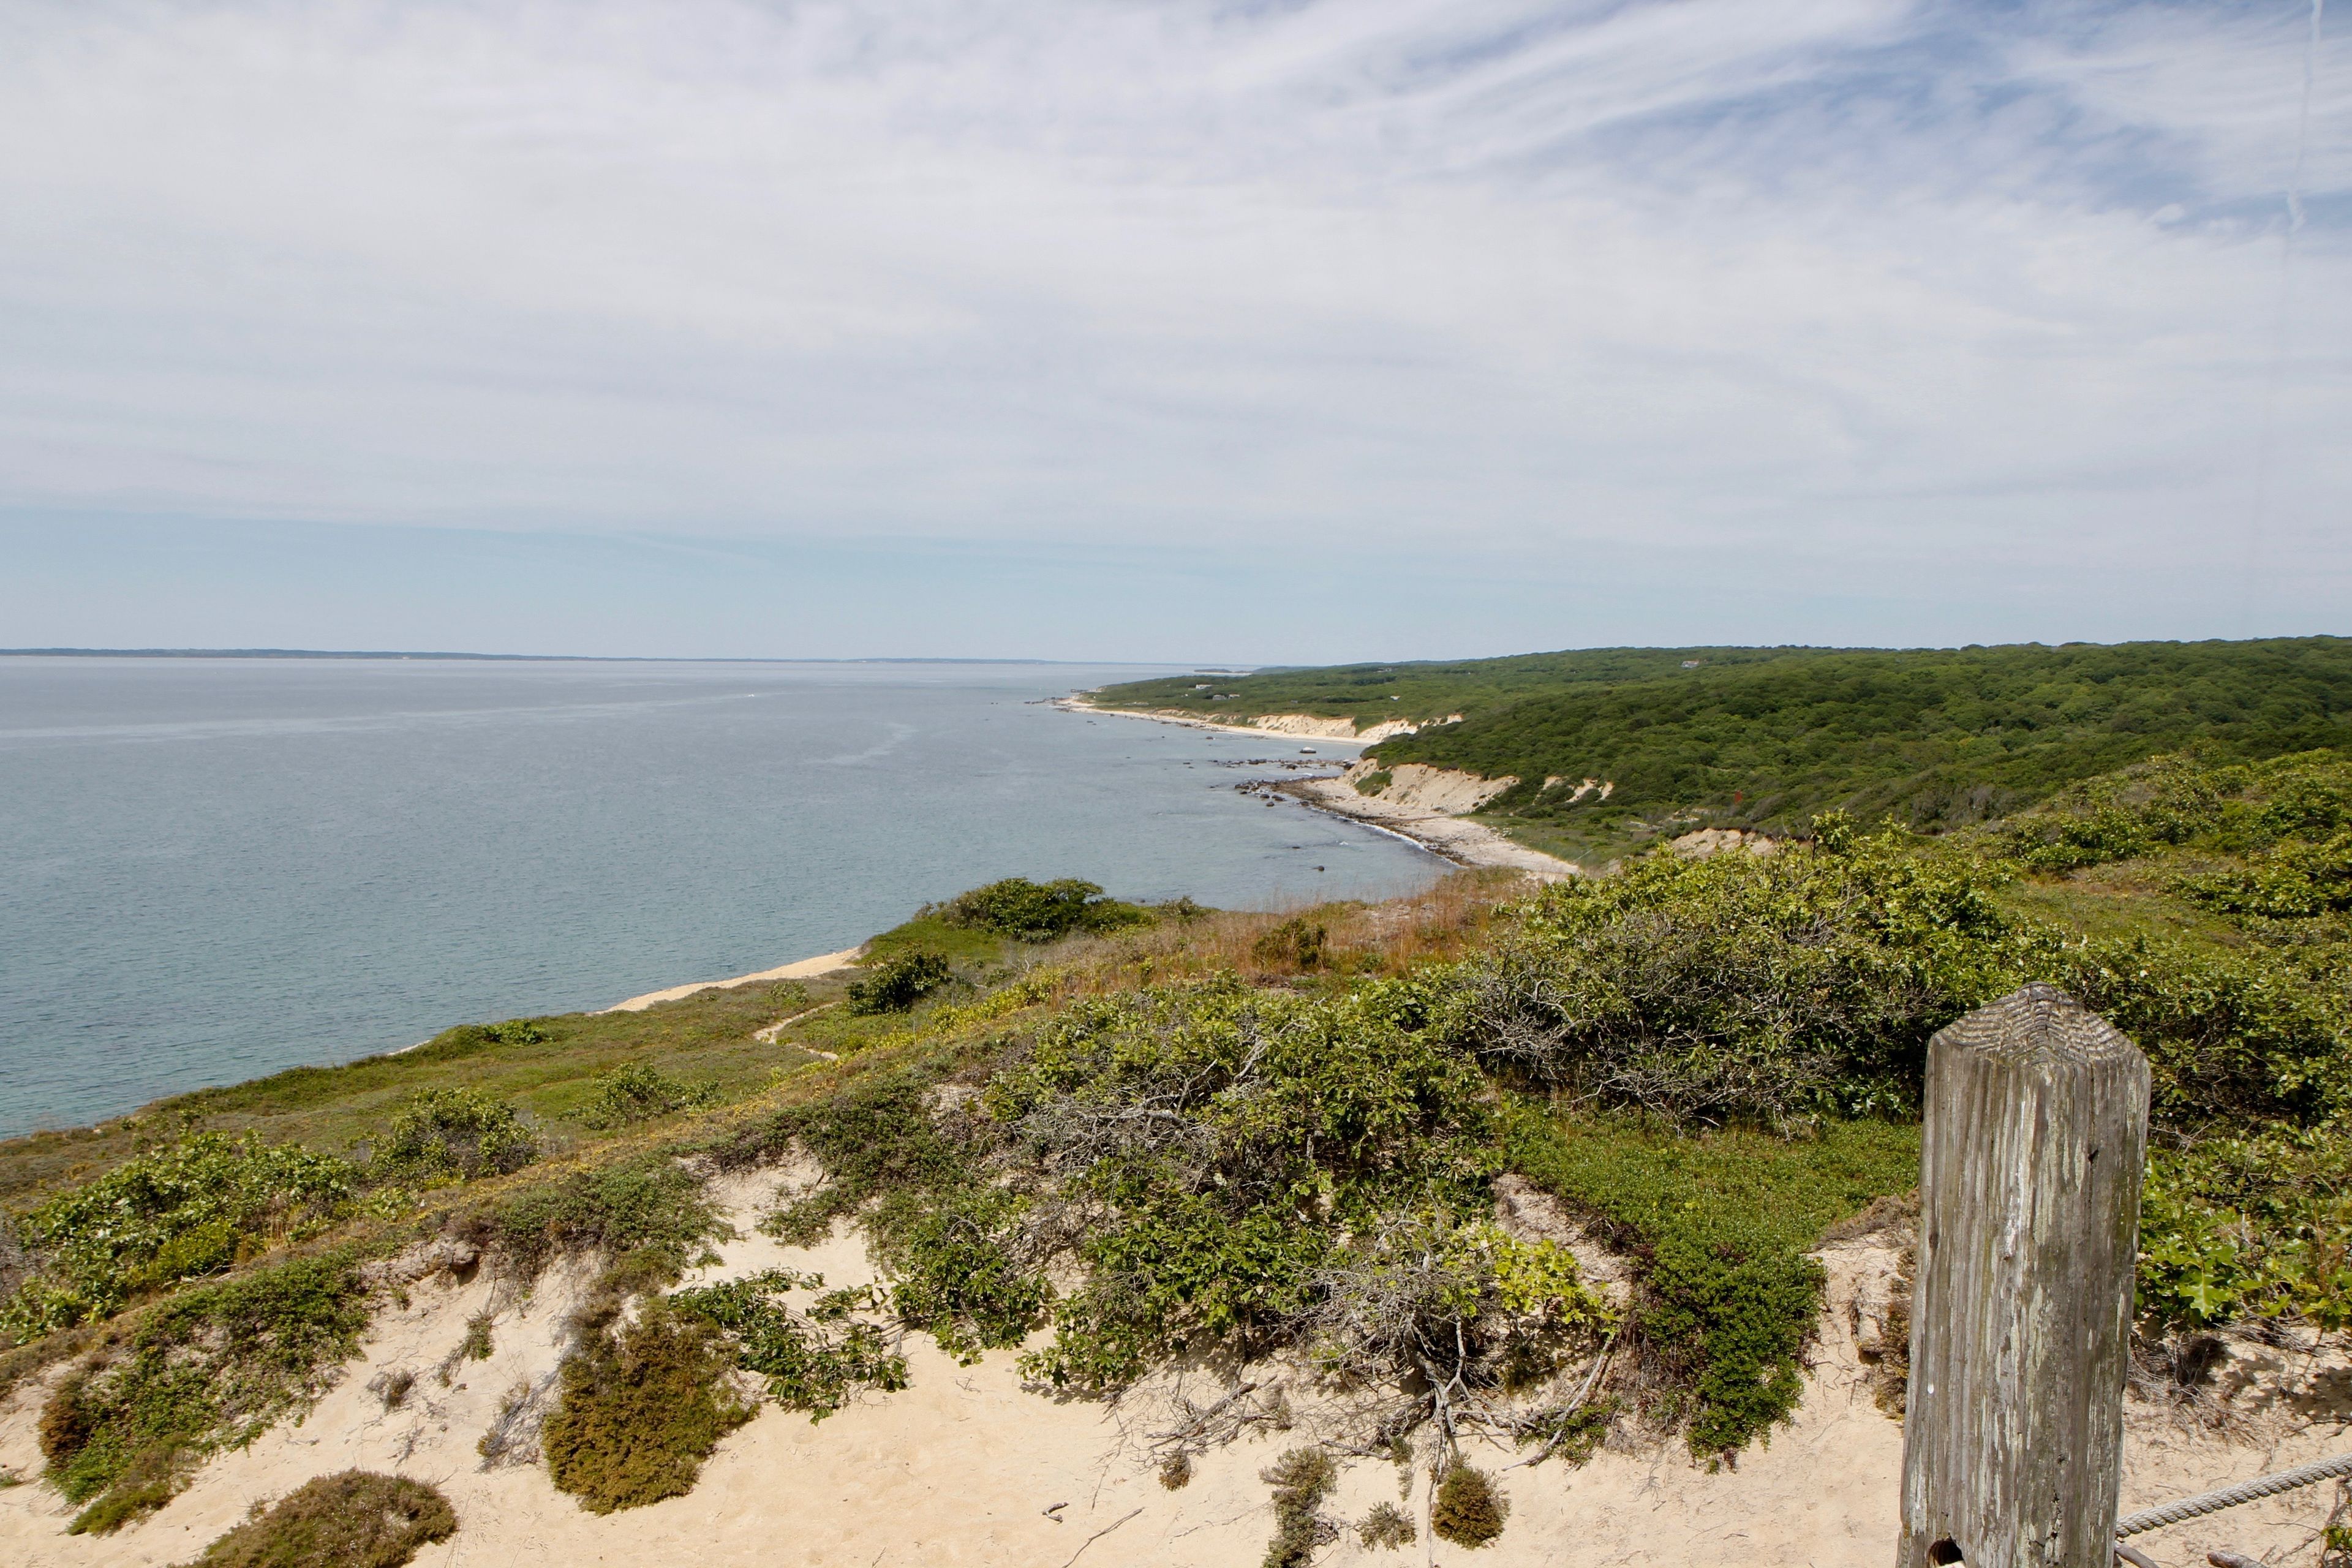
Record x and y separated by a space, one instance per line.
180 1212
815 1361
454 1134
355 1519
896 983
646 1204
638 1091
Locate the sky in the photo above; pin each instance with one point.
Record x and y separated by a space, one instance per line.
1302 331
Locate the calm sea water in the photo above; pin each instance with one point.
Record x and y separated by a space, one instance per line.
213 868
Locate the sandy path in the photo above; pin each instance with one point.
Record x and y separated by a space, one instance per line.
802 969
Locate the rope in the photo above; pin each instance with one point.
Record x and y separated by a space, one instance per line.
2230 1497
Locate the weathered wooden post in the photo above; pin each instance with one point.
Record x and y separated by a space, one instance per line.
2021 1315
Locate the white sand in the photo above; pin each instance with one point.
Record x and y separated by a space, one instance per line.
1342 733
802 969
960 1467
1464 842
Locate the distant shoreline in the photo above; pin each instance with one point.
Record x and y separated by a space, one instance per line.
1453 838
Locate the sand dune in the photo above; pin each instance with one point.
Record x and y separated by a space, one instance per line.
965 1467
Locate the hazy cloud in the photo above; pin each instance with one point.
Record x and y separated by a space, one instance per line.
1800 289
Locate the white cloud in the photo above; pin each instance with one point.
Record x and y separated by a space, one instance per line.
1832 279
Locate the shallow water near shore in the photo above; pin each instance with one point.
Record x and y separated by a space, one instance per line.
215 869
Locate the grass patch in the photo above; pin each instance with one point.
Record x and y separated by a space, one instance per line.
646 1203
354 1519
1718 1224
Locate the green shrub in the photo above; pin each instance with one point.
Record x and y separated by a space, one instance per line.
2259 1226
1468 1510
1301 1479
1807 983
1453 1309
874 1137
1216 1140
2291 882
898 981
639 1411
215 1365
352 1519
176 1213
1740 987
815 1361
961 1274
637 1092
1040 911
454 1135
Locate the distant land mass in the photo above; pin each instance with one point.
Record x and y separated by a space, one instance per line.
1594 752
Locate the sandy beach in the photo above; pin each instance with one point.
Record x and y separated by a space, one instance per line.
800 969
1077 703
1464 842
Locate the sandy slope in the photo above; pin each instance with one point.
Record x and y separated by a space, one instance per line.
961 1467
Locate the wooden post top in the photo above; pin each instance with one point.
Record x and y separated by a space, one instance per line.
2037 1022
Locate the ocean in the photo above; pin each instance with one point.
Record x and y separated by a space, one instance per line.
212 869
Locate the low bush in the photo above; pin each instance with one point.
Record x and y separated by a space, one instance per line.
1295 943
896 983
175 1213
815 1361
638 1091
353 1520
1447 1311
212 1366
1387 1526
640 1410
454 1134
1200 1149
1040 911
1301 1479
1468 1509
1766 989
